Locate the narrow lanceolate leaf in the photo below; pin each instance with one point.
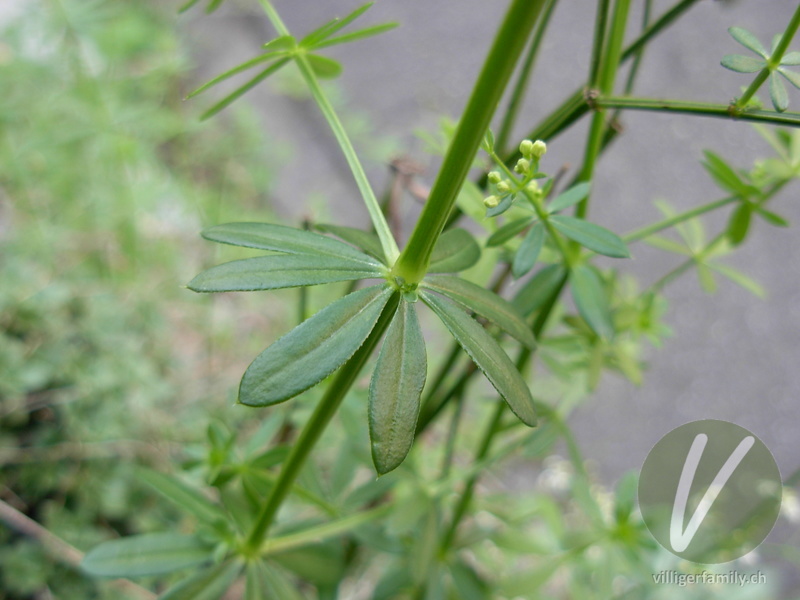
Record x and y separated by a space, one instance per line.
778 93
324 67
183 496
535 293
333 26
742 64
504 204
278 238
508 231
725 175
485 303
487 355
591 236
739 224
356 35
771 217
149 554
591 300
366 240
241 91
791 59
748 40
265 583
570 198
260 59
314 349
456 250
395 388
209 584
528 251
284 42
791 76
277 272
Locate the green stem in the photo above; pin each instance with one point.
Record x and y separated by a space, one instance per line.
600 26
518 95
506 49
466 497
649 230
637 57
698 108
772 62
603 81
315 426
390 249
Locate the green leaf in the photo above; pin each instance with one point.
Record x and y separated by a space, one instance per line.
183 496
591 300
277 272
748 40
242 90
278 238
771 217
488 142
210 584
791 76
324 67
395 389
332 26
262 58
456 250
187 6
706 278
265 583
742 64
777 93
725 175
148 554
739 223
356 35
539 288
468 583
528 251
791 59
483 302
284 42
508 231
366 240
740 279
591 236
570 198
504 204
487 355
314 349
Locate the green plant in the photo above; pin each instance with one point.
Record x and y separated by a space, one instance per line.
427 545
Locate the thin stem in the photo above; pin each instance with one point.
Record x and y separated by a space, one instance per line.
390 249
699 109
452 433
649 230
314 427
518 95
598 43
469 490
637 57
772 62
603 80
506 49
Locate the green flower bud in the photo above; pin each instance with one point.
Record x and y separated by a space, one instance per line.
491 201
523 166
494 177
533 187
538 149
504 187
526 148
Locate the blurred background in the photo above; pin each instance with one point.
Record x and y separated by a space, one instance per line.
107 176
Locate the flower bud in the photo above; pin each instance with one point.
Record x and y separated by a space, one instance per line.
494 177
523 166
504 187
526 148
538 149
491 201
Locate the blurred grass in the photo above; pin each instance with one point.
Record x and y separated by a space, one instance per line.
106 178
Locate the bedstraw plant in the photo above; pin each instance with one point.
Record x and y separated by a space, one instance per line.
400 531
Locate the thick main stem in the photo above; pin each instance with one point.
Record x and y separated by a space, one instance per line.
315 426
506 50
